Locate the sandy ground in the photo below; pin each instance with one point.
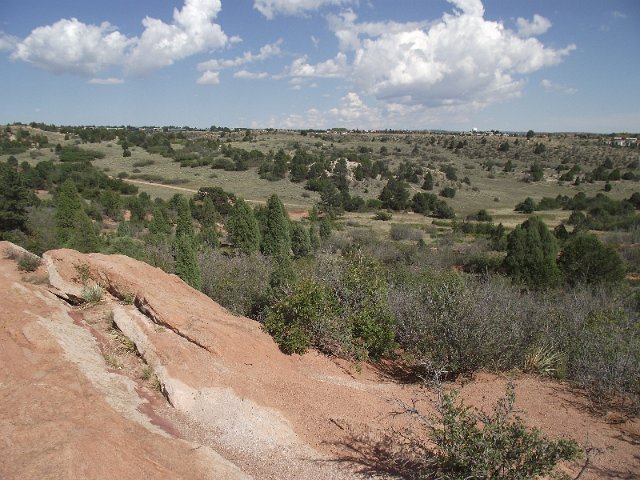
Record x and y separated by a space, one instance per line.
231 393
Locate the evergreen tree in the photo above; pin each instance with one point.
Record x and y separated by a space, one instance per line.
395 195
160 224
585 259
68 204
84 237
243 229
14 199
314 237
300 241
208 225
428 182
531 255
276 239
123 227
325 228
187 267
283 275
508 167
184 226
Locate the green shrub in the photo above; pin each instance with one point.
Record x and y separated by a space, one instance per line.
305 318
471 444
92 293
405 232
239 283
604 356
28 263
383 216
343 311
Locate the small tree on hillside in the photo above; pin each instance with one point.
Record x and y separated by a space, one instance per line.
531 255
314 237
276 239
14 199
184 225
187 267
585 259
84 237
428 182
300 241
160 224
209 228
243 229
395 195
68 204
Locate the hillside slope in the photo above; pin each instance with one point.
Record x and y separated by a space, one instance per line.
236 405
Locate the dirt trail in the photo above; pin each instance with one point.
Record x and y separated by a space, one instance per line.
231 391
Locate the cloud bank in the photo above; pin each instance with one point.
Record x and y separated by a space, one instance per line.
460 61
272 8
70 46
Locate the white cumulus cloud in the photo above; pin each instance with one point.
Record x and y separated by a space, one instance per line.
7 42
332 68
349 32
537 26
71 46
271 8
192 31
556 87
209 78
106 81
246 75
216 65
460 60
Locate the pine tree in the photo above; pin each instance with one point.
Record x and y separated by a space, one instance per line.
585 259
209 229
160 224
184 224
314 237
428 182
243 229
325 228
531 255
300 241
84 237
68 204
276 239
14 199
187 267
395 195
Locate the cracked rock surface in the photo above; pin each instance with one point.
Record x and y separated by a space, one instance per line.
236 407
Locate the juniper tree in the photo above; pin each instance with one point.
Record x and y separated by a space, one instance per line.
395 195
300 241
314 237
160 224
531 255
186 261
208 229
276 239
14 199
187 267
243 229
184 225
585 259
68 204
83 237
428 182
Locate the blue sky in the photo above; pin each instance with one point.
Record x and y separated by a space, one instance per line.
420 64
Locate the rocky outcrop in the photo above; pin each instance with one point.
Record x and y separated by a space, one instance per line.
65 413
238 406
